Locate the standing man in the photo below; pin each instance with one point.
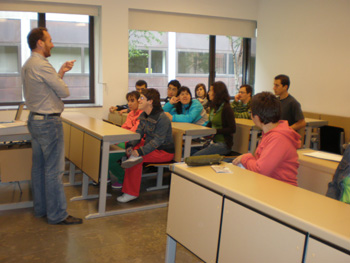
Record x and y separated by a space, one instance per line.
43 90
291 109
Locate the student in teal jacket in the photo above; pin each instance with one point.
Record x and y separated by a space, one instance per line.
183 108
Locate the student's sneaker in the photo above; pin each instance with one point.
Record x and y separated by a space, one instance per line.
132 161
126 198
117 185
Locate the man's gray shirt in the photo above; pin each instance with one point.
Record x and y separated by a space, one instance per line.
43 87
291 110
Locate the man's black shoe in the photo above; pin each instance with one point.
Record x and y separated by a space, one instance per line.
71 220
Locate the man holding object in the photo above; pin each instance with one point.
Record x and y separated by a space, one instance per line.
43 89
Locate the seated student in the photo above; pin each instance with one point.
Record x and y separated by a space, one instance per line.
339 188
185 109
276 155
139 86
201 95
158 145
131 124
222 118
173 87
241 103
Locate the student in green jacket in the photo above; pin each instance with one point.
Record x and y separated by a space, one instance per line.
241 103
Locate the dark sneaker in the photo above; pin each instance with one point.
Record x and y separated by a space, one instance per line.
71 220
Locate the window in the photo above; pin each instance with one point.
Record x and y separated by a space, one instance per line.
138 63
193 62
148 59
186 58
12 29
70 35
221 63
158 61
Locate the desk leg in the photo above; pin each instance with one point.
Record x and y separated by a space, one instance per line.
187 150
170 253
253 141
85 187
72 175
103 178
307 142
84 190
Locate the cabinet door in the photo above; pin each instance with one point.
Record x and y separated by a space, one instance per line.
322 253
15 164
76 146
66 132
194 217
247 236
91 157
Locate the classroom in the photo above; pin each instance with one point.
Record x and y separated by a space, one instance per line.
306 40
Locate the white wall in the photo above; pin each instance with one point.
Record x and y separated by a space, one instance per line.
309 40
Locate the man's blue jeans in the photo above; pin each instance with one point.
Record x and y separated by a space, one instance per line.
48 167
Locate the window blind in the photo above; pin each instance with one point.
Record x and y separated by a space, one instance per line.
185 23
50 8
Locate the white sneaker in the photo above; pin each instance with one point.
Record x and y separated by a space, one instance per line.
126 198
132 161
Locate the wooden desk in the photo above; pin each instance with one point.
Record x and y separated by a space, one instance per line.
89 147
10 170
311 124
246 134
247 217
190 131
314 174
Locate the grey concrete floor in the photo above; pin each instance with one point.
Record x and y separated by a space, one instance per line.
134 237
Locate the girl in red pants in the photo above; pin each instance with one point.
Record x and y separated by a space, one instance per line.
158 146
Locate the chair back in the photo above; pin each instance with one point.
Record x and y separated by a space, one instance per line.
332 139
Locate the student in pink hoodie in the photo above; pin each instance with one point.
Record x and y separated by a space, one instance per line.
276 155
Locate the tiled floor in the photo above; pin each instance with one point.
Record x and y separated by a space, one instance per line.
134 237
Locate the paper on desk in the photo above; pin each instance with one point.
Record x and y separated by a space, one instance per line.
325 156
13 124
221 169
